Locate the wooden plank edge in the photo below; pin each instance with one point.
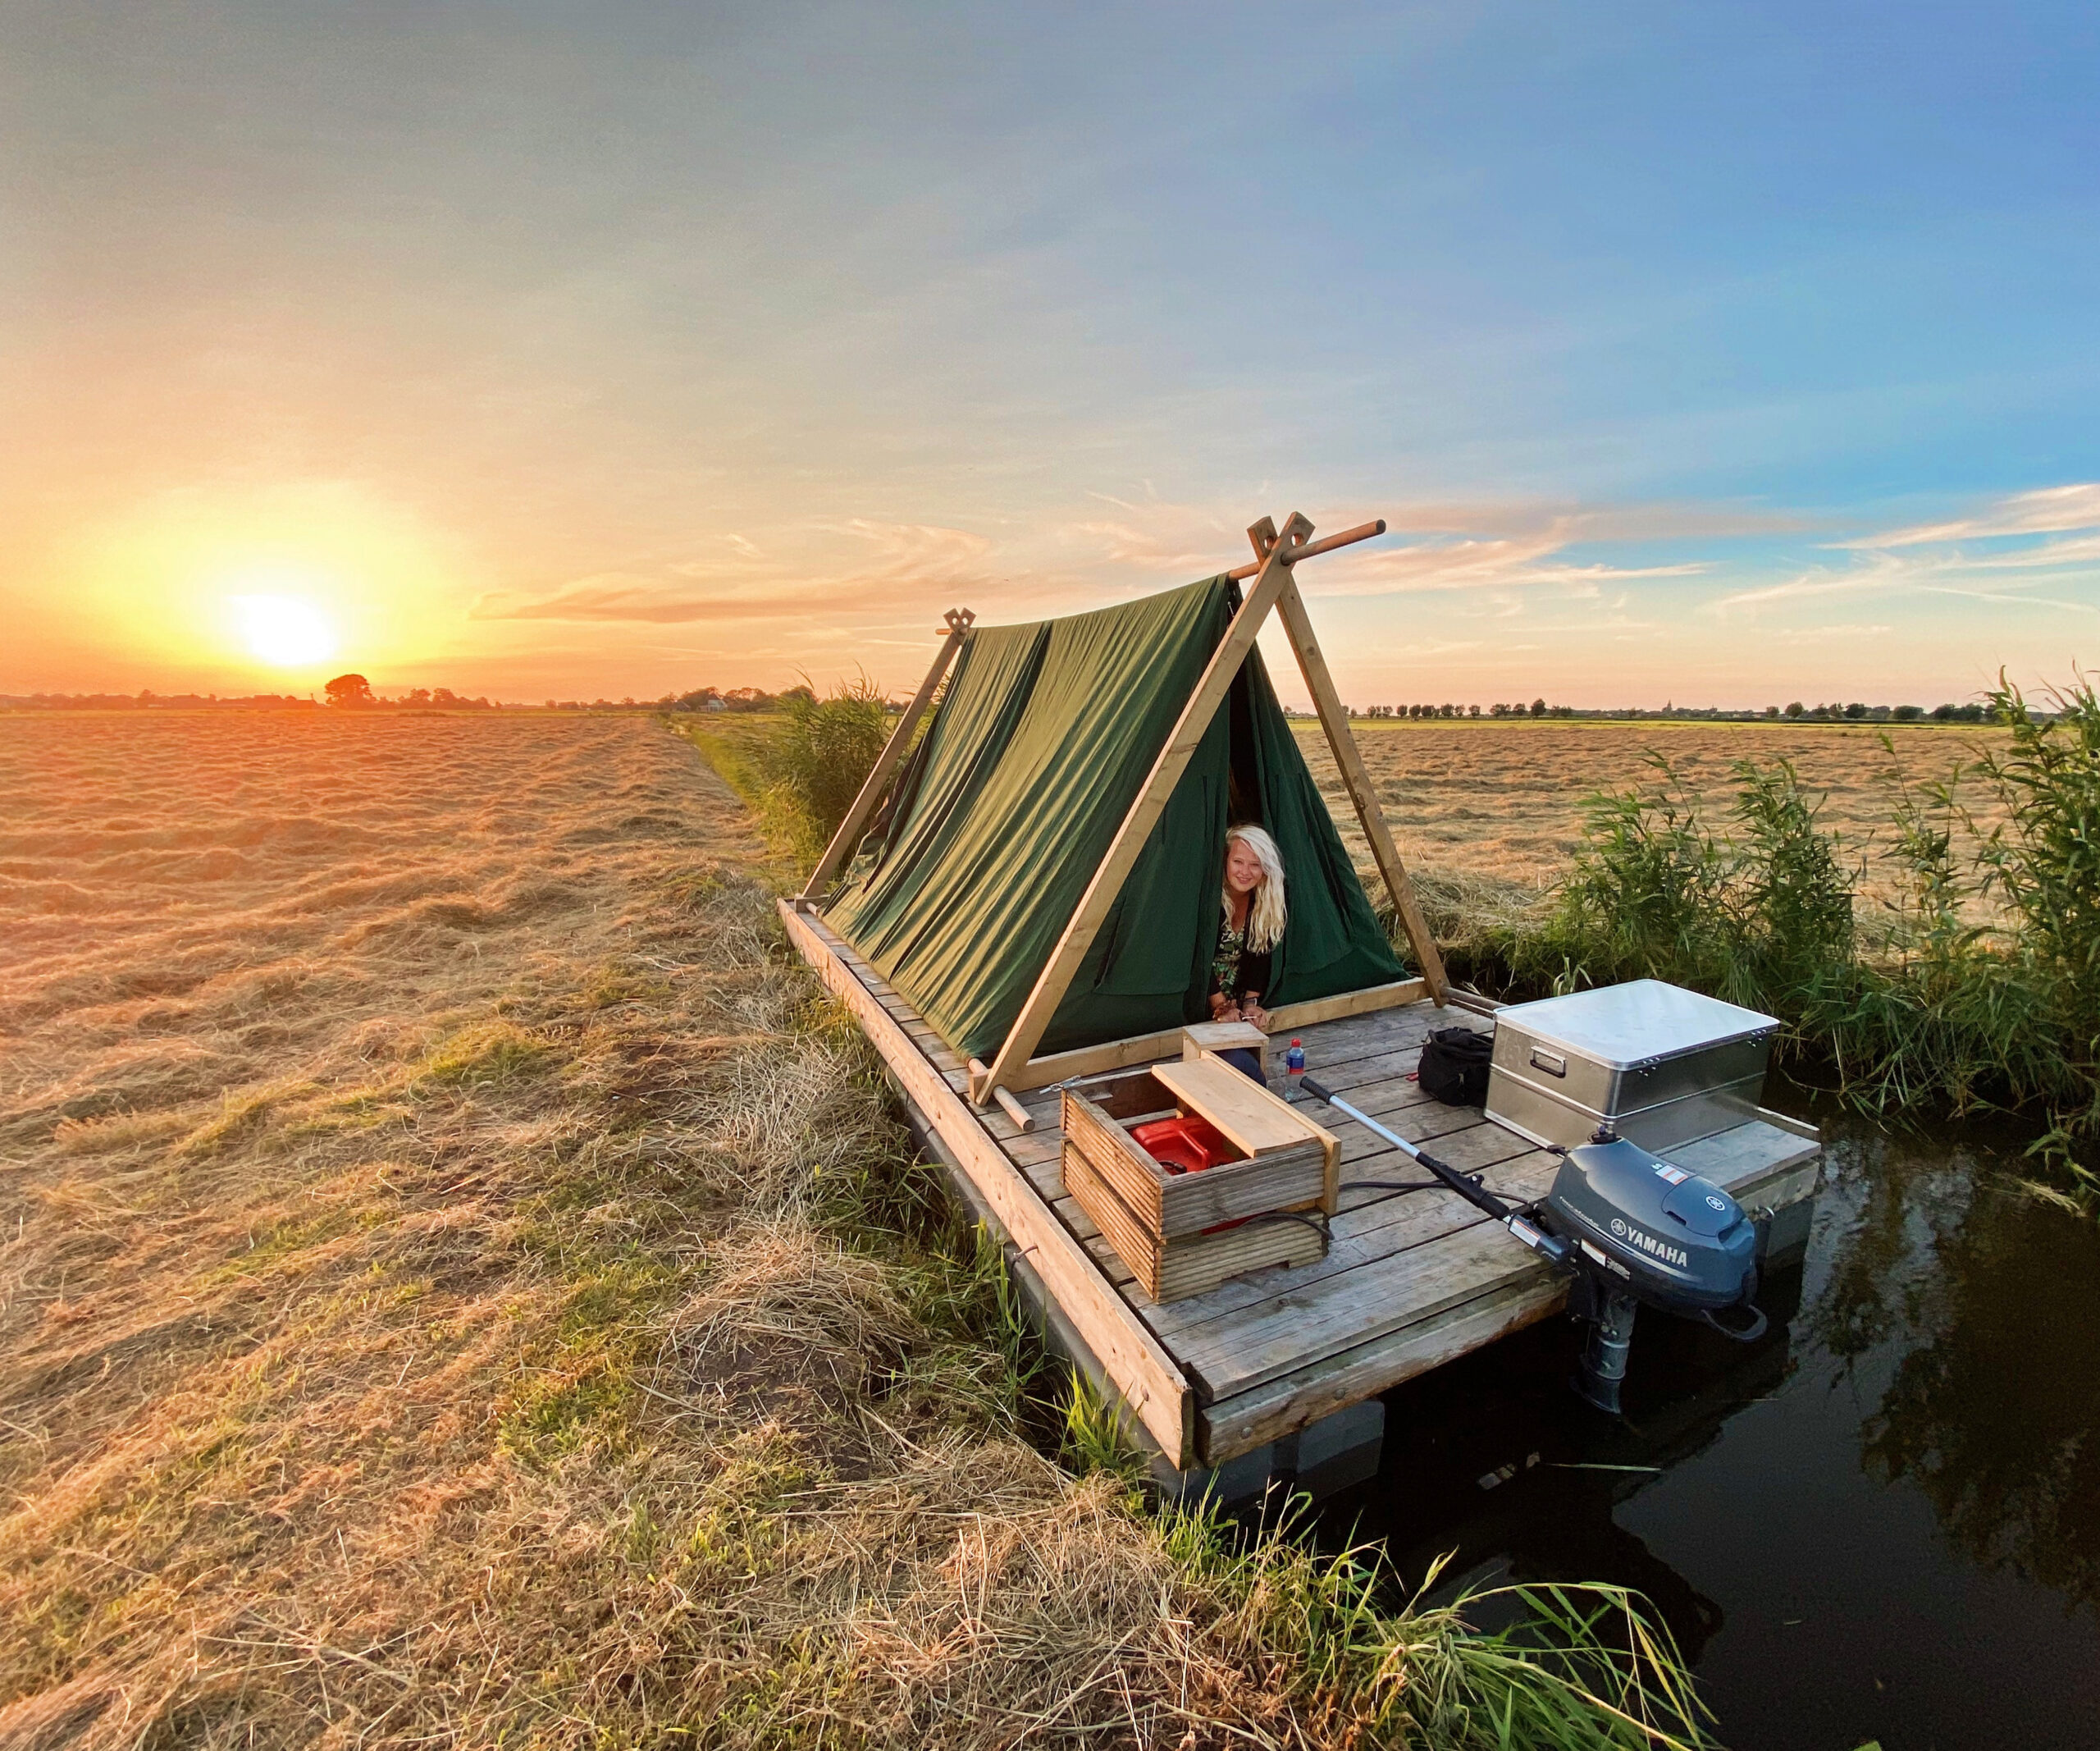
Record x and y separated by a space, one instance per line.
1148 1378
1142 1048
1238 1424
1399 993
1800 1127
1232 1426
1092 1060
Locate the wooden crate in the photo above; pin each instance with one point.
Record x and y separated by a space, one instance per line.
1181 1234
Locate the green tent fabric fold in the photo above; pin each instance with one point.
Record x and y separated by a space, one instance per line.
1044 737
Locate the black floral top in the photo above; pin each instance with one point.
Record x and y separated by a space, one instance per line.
1235 969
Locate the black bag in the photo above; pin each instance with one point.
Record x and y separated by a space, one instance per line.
1455 1063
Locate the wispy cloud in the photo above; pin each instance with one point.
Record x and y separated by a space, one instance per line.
898 563
623 597
2050 511
1865 577
1508 563
1442 547
1815 634
1940 558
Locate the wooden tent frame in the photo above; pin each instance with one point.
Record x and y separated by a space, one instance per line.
1016 1067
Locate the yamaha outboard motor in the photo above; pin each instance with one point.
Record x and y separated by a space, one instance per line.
1645 1230
1630 1226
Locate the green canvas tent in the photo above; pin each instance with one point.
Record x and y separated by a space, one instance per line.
1020 806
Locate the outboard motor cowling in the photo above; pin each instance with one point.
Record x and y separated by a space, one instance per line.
1643 1229
1676 1240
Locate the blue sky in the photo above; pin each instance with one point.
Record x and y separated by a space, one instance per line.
1718 353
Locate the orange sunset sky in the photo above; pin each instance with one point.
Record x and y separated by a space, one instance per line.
1693 356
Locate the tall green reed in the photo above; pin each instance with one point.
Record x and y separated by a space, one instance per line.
1977 986
1764 917
816 763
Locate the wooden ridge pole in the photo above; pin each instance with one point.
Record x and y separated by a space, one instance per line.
856 822
1058 972
1356 779
1325 544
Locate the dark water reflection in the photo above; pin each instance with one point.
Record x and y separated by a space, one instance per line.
1881 1521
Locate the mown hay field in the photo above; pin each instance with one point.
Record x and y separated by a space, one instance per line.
425 1311
1503 800
460 1284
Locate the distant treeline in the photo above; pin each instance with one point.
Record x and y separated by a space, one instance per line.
1795 712
735 699
151 702
699 699
442 698
354 692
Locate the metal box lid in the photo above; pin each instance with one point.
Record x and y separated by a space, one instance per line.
1638 1022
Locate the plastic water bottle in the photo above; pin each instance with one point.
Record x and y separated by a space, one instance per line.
1294 1064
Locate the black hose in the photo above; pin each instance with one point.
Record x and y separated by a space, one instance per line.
1467 1186
1317 1224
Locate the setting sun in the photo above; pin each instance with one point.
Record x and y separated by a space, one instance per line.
282 630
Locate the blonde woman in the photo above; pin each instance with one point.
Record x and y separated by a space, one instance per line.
1250 928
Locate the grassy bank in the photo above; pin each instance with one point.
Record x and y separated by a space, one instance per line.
459 1283
799 767
1969 980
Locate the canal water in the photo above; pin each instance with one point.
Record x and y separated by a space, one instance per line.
1880 1522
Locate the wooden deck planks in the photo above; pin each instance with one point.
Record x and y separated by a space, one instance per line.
1410 1281
1507 1296
1361 1236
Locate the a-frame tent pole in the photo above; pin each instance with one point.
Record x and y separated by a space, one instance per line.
1356 779
1063 965
857 817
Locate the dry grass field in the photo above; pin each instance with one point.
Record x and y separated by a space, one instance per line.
1500 803
1485 803
425 1313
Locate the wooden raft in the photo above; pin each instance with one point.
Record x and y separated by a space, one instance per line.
1407 1283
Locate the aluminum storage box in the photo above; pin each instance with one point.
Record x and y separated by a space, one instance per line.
1662 1064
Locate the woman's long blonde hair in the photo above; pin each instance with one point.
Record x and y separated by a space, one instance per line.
1265 910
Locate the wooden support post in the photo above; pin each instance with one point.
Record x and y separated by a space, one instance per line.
857 817
1357 781
1057 973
